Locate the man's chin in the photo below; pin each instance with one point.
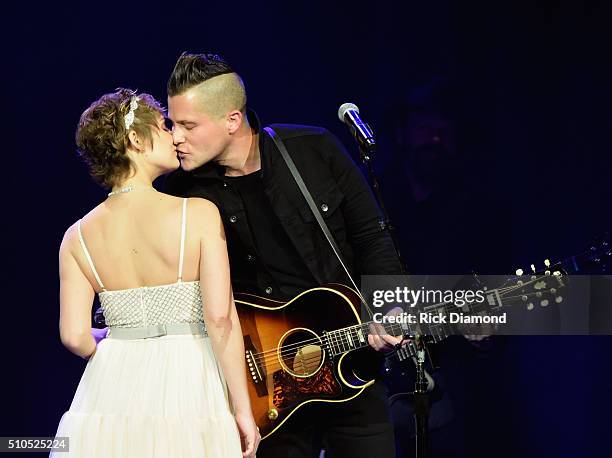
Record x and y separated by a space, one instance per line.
187 165
189 162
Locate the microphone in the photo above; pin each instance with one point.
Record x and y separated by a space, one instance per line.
349 115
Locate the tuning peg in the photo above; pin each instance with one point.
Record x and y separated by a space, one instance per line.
547 262
544 303
530 306
533 269
524 298
519 272
559 299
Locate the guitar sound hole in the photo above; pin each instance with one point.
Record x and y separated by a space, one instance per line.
300 352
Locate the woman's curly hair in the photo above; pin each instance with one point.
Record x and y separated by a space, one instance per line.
102 138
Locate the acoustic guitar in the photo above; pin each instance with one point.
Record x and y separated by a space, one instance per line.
304 350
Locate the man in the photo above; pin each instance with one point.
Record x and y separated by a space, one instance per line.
275 245
435 154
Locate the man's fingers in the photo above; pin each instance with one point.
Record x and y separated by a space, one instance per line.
375 342
391 340
372 341
380 340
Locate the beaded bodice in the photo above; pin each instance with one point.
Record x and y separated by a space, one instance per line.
179 302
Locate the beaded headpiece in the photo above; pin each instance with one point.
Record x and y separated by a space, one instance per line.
129 117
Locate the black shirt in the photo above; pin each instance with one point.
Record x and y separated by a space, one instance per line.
271 249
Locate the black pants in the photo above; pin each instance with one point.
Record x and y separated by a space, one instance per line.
358 428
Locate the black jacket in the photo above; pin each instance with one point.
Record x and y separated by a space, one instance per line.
337 186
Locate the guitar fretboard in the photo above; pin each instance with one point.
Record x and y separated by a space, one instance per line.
354 337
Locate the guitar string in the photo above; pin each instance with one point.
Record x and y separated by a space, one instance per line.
340 345
335 335
294 348
343 346
441 305
501 289
305 361
339 339
353 328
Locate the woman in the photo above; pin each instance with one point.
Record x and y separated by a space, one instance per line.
159 264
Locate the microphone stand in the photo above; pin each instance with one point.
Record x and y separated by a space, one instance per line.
421 402
421 399
365 154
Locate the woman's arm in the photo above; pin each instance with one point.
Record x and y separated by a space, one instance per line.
76 300
221 318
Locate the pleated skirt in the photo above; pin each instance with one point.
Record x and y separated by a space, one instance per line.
161 397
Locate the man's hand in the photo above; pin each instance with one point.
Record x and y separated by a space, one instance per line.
483 330
99 334
378 338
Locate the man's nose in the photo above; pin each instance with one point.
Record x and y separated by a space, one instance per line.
177 137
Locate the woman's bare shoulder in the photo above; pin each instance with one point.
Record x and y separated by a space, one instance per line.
71 235
203 214
201 205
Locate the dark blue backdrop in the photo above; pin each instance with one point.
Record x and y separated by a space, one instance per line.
536 78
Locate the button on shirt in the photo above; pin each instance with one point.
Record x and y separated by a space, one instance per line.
272 249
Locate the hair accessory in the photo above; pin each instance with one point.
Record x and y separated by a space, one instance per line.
129 117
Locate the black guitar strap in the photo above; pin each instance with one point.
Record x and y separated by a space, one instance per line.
315 210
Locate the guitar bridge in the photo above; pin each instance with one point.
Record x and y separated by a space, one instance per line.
255 368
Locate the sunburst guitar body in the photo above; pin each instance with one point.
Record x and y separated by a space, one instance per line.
301 351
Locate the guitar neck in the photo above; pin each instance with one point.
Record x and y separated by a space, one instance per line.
512 291
355 337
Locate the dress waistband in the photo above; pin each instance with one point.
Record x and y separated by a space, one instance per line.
147 332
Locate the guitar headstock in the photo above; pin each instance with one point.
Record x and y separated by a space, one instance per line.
535 287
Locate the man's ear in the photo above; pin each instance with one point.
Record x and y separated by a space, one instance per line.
134 141
234 121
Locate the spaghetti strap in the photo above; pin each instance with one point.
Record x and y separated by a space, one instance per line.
91 264
182 253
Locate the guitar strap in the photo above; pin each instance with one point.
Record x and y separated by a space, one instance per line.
315 210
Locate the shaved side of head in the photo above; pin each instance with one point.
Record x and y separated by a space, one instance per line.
220 95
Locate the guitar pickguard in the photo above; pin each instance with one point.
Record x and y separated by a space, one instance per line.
289 390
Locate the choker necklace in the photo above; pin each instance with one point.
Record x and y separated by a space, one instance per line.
126 189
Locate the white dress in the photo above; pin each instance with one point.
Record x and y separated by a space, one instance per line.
151 397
